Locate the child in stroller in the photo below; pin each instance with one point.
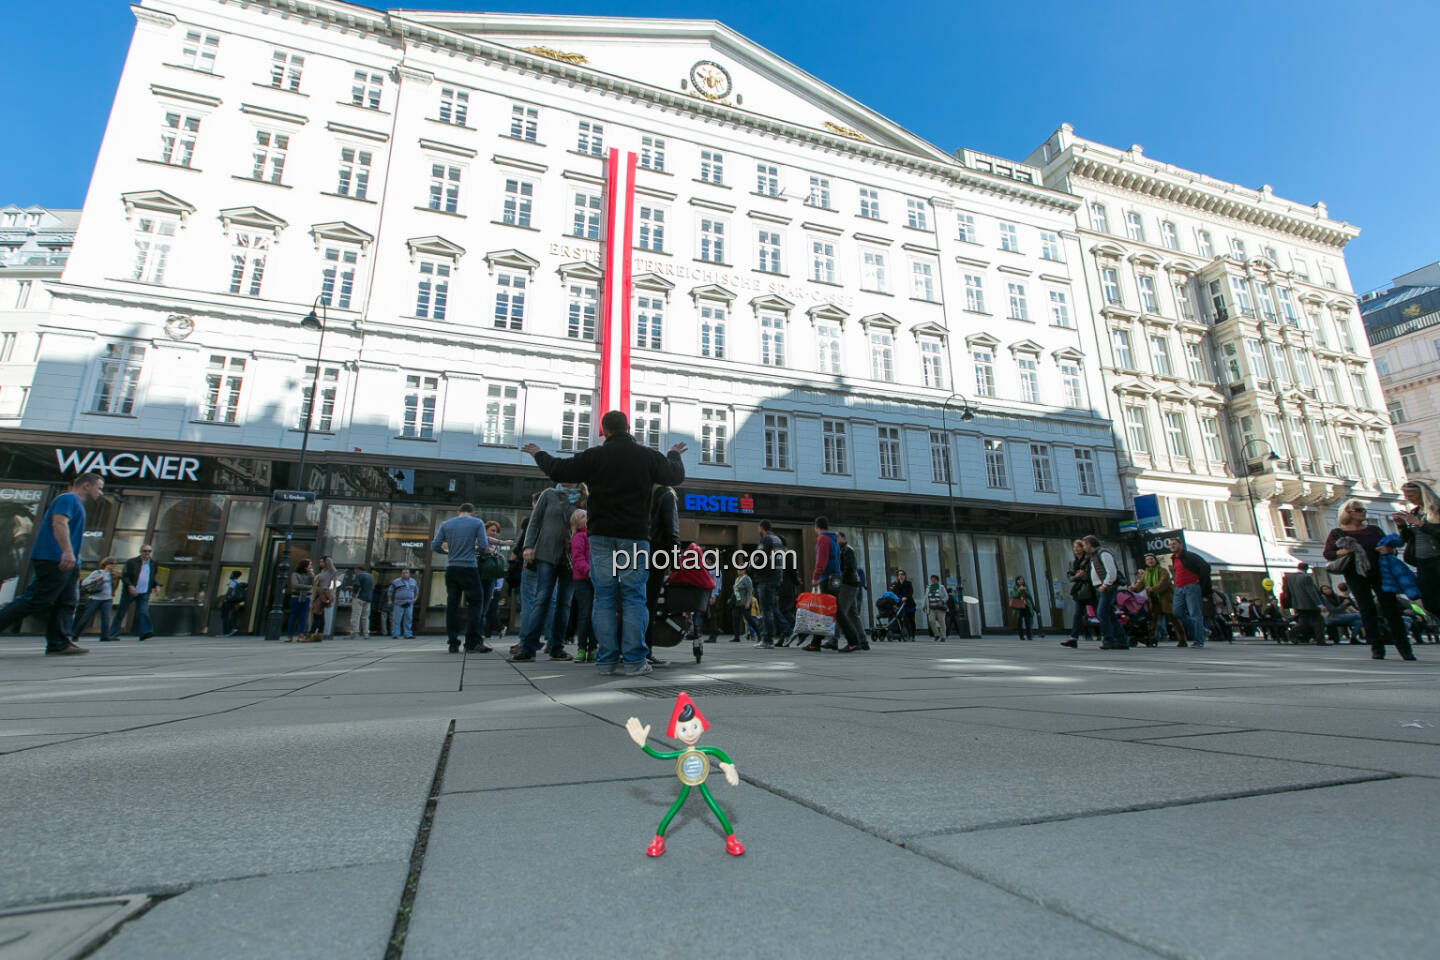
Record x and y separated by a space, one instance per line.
1134 613
887 612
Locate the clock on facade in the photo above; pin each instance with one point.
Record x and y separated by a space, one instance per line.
711 79
179 327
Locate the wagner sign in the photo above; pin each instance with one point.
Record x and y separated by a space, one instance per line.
128 466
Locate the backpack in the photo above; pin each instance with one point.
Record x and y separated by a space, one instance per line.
236 591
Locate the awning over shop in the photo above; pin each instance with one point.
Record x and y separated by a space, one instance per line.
1241 552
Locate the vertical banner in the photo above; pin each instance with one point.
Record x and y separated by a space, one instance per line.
614 393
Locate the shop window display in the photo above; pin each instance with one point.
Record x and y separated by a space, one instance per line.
187 529
347 533
99 515
242 531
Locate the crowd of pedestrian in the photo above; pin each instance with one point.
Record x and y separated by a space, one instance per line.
578 572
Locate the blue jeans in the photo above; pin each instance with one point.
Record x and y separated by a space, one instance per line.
299 621
1110 629
142 613
402 621
629 585
1190 612
772 621
548 608
488 596
94 605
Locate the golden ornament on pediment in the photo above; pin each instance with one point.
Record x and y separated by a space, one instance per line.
1413 310
561 55
711 80
846 131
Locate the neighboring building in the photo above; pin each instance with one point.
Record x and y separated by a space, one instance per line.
1402 323
34 245
1229 332
809 285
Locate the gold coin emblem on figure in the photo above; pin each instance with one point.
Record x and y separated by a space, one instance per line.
692 767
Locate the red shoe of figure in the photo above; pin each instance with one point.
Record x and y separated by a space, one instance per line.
732 846
657 847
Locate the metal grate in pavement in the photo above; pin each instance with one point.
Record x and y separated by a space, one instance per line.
724 688
60 931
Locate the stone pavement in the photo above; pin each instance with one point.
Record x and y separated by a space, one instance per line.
987 798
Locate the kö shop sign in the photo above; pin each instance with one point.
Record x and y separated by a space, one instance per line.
127 466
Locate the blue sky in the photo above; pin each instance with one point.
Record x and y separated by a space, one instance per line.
1323 100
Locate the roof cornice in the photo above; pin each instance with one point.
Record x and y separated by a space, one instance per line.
402 26
698 106
1259 208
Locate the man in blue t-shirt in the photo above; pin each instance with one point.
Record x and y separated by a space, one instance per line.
54 567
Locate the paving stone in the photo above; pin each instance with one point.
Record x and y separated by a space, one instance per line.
805 887
1311 873
149 811
903 777
1422 759
337 914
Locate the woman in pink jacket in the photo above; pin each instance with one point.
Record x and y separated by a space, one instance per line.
584 589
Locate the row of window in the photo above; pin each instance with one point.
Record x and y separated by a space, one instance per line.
452 107
1027 370
1300 444
1168 235
1283 368
340 262
890 450
121 365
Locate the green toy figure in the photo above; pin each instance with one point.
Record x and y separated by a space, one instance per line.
692 766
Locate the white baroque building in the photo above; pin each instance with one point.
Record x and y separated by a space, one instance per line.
1237 374
34 246
812 286
1402 323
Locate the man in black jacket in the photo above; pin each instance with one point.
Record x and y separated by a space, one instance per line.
138 577
620 473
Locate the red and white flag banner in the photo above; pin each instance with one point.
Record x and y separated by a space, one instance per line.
615 297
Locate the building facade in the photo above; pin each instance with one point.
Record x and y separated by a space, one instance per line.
1237 375
1402 323
34 247
816 298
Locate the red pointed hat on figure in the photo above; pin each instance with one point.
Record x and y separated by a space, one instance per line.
684 704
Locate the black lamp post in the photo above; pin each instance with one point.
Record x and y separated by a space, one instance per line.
966 415
275 619
1250 494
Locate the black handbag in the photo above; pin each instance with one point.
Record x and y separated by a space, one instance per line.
492 566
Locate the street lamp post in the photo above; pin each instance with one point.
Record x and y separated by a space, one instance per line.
966 415
275 619
1250 495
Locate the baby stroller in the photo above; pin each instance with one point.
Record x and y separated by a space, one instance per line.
887 613
684 596
1133 611
680 609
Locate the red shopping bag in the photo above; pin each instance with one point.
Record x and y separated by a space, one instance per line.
815 614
